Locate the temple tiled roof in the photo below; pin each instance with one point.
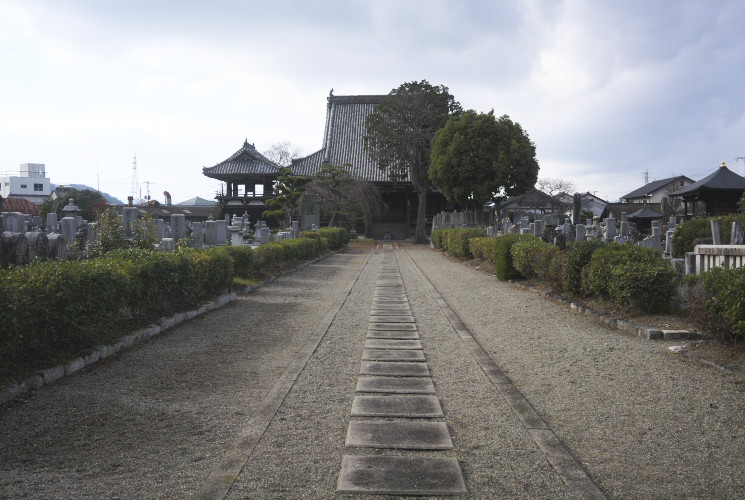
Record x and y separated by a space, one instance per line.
245 161
722 179
344 139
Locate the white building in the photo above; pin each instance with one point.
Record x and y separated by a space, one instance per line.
31 183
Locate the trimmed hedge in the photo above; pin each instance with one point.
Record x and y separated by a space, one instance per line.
482 247
502 256
457 241
596 276
438 235
337 236
532 257
646 287
577 257
52 307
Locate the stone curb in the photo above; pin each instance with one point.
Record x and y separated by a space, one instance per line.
642 331
51 375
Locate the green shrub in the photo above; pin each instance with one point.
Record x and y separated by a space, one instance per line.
577 257
56 305
482 247
643 286
437 237
530 256
502 256
243 260
596 275
457 241
337 236
552 269
693 230
716 302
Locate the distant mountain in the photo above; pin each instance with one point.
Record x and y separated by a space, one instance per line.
109 199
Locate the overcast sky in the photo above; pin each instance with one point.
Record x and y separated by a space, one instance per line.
607 90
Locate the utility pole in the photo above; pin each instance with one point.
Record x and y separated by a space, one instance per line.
133 189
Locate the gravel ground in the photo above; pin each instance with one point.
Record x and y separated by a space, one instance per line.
154 421
644 422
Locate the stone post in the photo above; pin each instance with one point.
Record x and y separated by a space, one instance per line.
715 231
178 226
129 215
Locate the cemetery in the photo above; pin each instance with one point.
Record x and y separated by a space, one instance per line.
688 267
62 288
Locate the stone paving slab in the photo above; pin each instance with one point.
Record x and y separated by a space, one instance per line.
383 299
393 344
393 327
394 369
390 312
387 475
395 385
397 406
399 435
392 355
389 282
390 306
381 334
402 318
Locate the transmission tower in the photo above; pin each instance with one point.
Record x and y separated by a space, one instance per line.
135 183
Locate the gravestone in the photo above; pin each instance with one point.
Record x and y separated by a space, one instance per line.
539 227
160 229
129 215
610 229
57 246
580 232
69 228
38 245
52 222
715 232
168 244
178 226
197 235
14 222
736 237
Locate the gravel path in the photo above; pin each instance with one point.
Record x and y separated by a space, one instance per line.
154 421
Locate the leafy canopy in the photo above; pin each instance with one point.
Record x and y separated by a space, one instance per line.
477 157
400 132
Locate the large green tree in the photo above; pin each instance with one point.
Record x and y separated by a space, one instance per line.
400 132
477 157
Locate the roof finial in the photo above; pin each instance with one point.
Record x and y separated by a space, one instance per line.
723 165
331 93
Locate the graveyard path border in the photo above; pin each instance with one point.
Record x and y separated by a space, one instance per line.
565 464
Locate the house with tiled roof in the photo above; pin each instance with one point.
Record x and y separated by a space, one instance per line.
655 191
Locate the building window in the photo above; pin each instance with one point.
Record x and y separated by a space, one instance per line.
23 186
38 187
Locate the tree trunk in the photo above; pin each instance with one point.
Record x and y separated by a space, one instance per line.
421 235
